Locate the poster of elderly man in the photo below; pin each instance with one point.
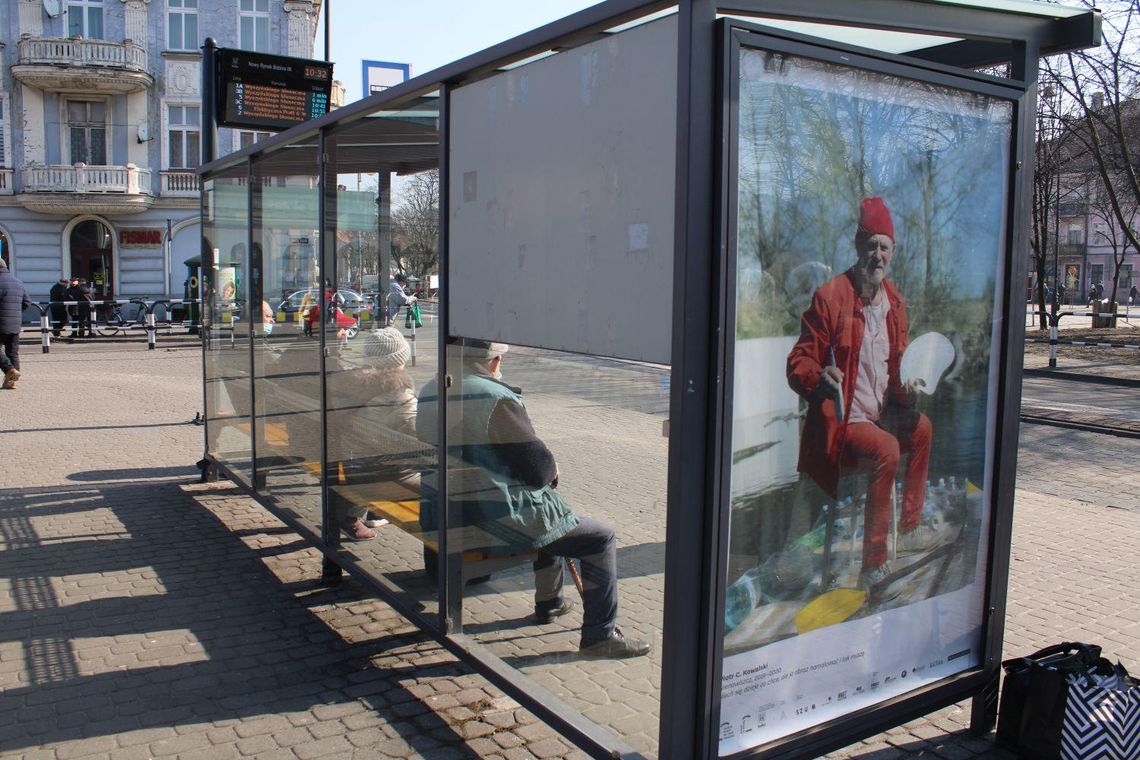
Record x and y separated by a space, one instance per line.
870 235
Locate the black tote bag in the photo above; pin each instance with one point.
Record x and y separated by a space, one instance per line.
1032 709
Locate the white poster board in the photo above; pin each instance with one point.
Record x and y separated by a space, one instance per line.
561 199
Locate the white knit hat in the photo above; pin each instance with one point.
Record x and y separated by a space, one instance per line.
385 348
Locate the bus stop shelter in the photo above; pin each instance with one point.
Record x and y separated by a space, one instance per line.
659 210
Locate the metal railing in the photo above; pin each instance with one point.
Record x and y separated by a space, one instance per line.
1054 328
106 318
75 51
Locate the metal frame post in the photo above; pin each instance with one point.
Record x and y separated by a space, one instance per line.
209 100
690 552
983 713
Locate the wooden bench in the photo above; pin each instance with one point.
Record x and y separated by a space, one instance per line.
400 506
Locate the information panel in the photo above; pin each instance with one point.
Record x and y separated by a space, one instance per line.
869 254
271 91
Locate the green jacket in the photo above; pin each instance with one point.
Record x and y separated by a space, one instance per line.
500 512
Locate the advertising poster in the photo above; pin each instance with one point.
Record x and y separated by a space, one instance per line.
870 238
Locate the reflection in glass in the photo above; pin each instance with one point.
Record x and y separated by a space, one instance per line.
225 217
870 229
379 167
577 469
286 354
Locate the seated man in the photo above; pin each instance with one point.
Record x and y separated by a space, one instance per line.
846 365
508 499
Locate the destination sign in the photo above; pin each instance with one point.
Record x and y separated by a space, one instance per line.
271 91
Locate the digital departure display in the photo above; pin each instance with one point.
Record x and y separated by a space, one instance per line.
271 91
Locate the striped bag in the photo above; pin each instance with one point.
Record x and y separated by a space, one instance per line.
1102 715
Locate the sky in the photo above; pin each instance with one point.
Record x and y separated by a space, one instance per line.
427 34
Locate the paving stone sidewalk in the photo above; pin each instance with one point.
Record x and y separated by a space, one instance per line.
145 615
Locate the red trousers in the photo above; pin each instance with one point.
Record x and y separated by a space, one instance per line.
877 448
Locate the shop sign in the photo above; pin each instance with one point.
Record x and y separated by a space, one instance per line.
140 238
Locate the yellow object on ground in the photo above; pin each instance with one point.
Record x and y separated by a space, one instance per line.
829 608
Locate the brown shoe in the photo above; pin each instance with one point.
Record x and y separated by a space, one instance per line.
358 531
10 378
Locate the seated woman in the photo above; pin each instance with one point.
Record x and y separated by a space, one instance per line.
372 419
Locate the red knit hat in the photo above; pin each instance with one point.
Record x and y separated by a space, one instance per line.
874 219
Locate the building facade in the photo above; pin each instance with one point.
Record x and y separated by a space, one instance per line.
1090 240
100 132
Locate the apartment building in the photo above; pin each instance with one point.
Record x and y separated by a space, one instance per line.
100 132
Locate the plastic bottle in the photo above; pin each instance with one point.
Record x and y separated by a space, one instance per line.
741 598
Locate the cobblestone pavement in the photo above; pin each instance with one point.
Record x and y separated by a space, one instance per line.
143 614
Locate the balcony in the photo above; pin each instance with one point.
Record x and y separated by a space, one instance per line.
5 181
73 63
179 184
81 189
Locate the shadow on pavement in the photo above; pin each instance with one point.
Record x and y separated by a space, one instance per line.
136 607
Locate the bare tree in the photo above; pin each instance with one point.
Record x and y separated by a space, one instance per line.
1104 82
415 223
1048 165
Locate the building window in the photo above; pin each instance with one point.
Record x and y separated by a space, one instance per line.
87 131
1097 274
254 23
85 19
248 137
1075 232
1124 282
183 138
5 250
182 24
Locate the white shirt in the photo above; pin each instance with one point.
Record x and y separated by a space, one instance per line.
871 378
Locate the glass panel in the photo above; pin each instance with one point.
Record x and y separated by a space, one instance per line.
287 360
262 25
263 6
75 21
174 31
247 40
376 460
98 140
176 149
78 145
580 472
192 115
76 111
863 409
98 111
247 5
225 220
193 151
190 33
95 23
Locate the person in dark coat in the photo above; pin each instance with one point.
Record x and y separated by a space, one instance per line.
80 291
57 294
13 300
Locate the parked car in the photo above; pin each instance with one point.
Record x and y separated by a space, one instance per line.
349 301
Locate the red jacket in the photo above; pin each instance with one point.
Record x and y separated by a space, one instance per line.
835 320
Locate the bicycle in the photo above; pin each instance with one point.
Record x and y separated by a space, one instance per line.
116 322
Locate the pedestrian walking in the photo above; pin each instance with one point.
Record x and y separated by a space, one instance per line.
13 300
80 291
58 294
